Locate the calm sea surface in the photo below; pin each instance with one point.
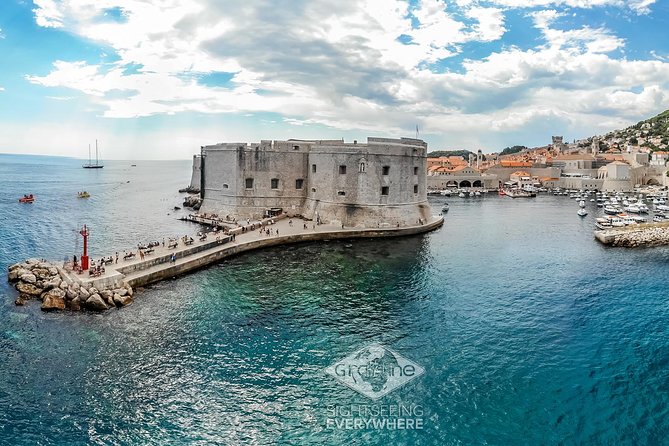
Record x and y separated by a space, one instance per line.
528 330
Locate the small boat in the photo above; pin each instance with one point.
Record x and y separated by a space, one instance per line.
582 212
444 208
27 199
581 203
477 193
133 165
501 192
83 194
461 195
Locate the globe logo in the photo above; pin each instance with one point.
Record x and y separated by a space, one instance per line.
374 371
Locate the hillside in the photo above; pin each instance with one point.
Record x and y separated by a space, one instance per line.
652 133
463 153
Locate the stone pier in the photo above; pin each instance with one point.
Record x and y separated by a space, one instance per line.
115 287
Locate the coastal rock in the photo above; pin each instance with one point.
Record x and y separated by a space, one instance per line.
14 274
75 286
74 304
20 301
96 303
71 293
41 273
53 270
33 262
108 296
92 290
53 300
14 266
130 291
121 291
122 301
28 278
84 294
53 283
63 285
28 288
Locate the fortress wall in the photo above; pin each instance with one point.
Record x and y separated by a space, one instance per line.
355 197
195 176
229 166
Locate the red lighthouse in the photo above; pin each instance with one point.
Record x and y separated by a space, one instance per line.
84 258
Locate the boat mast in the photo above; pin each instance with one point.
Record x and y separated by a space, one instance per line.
89 154
96 152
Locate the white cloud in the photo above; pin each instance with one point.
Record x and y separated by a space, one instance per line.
371 65
2 88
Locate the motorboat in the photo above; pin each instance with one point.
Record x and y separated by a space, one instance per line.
581 203
27 199
612 210
643 209
632 208
461 195
582 212
444 208
83 194
658 218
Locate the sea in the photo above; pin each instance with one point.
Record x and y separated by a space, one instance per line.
529 331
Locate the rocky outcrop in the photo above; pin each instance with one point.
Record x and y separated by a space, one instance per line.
53 299
36 279
96 303
193 201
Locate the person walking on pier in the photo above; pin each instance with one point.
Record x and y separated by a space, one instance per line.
116 257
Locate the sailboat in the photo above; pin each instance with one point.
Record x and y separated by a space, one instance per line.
97 164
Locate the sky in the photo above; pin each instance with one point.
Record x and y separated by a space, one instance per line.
157 79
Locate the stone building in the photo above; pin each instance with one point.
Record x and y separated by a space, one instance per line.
380 183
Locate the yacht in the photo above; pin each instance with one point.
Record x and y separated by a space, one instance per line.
612 210
643 209
582 212
632 208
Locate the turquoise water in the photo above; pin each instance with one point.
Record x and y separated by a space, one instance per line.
529 331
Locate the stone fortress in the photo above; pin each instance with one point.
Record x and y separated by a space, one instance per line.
377 184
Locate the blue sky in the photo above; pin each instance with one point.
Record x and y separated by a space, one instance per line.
158 79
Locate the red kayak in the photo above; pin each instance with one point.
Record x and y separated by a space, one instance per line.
27 199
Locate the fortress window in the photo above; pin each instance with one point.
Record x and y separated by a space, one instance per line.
299 183
341 193
313 168
225 186
415 170
386 171
313 189
415 188
361 167
342 170
249 183
384 190
296 147
275 183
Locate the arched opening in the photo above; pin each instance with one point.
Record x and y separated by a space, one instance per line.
452 183
465 183
477 183
652 182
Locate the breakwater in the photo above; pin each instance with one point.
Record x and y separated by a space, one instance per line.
115 287
646 235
